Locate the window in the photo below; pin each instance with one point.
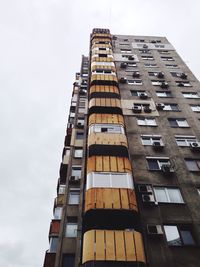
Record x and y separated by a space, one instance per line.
61 189
193 165
131 65
167 58
183 84
57 213
109 179
71 227
168 195
171 66
76 171
179 122
182 140
165 52
144 51
195 108
158 83
106 128
190 94
150 65
141 121
164 94
159 46
171 107
81 110
179 235
53 244
156 74
79 135
80 122
155 164
68 260
137 82
147 58
125 50
74 196
148 140
139 40
137 93
78 153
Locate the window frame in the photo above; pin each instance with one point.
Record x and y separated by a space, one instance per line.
166 191
180 229
146 119
152 139
160 161
178 123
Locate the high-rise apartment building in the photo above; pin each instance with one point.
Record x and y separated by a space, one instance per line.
128 193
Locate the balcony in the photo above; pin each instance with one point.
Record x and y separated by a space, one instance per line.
109 246
49 260
108 164
106 118
104 79
107 144
105 106
54 227
101 91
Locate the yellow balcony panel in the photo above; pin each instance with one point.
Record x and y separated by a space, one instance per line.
101 35
102 46
103 67
107 52
101 40
108 164
110 198
113 245
106 118
102 59
104 89
104 79
105 102
107 139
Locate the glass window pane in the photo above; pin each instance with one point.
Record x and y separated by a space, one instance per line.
101 180
57 213
151 122
53 244
172 235
175 195
160 194
191 165
78 153
182 123
74 197
187 237
146 141
153 164
71 230
76 171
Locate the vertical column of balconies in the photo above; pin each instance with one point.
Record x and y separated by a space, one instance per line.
110 221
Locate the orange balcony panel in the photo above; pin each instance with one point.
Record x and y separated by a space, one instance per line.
104 89
107 52
111 245
103 79
110 198
101 35
101 46
106 118
107 139
49 260
108 164
54 227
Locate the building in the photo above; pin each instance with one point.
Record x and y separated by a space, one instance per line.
128 192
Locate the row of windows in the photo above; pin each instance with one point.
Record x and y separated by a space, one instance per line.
155 164
173 122
161 83
167 107
183 141
150 65
166 94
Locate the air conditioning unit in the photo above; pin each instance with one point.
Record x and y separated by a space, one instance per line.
183 76
153 41
131 58
157 146
80 125
136 74
166 168
143 188
195 146
160 106
123 65
123 80
147 109
148 199
164 85
160 75
143 96
145 46
155 230
137 109
74 179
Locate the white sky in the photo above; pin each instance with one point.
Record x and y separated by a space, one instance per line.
41 46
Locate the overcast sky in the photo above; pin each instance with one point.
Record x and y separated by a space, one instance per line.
41 46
